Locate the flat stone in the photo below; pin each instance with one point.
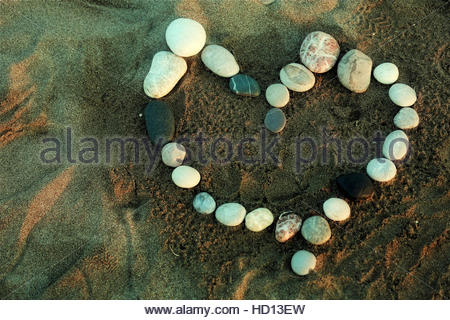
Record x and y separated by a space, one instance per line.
159 122
354 71
406 118
220 61
381 169
316 230
386 73
402 95
396 145
275 120
231 214
258 219
185 37
277 95
204 203
303 262
297 77
336 209
287 226
355 185
267 2
173 154
185 177
319 51
165 72
245 85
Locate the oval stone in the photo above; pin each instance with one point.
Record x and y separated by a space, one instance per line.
244 85
303 262
204 203
386 73
275 120
395 146
319 51
287 226
277 95
185 37
258 219
165 72
355 185
159 122
185 177
316 230
354 71
220 61
231 214
173 154
336 209
297 77
402 95
381 169
406 118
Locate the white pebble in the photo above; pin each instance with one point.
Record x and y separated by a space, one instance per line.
185 37
297 77
316 230
277 95
231 214
406 118
381 169
395 146
258 219
386 73
402 95
173 154
220 61
185 177
336 209
303 262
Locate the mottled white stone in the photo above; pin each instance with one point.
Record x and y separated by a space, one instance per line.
185 37
220 61
297 77
204 203
402 95
165 72
173 154
386 73
381 169
319 51
185 177
231 214
395 146
316 230
258 219
406 118
303 262
354 71
336 209
277 95
287 226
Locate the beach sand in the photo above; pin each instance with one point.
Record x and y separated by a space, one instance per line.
77 231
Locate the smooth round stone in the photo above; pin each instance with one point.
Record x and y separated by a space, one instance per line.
316 230
319 51
185 177
165 72
159 122
204 203
220 61
173 154
297 77
303 262
395 146
244 85
336 209
267 2
402 95
355 185
258 219
277 95
275 120
185 37
406 118
386 73
354 71
231 214
381 169
287 226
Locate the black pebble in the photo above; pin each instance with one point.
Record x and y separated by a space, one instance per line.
159 122
355 185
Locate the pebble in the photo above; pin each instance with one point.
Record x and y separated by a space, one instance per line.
277 95
159 122
185 37
395 146
204 203
406 118
165 72
303 262
220 61
258 219
355 185
185 177
244 85
173 154
297 77
319 51
275 120
354 71
381 169
267 2
316 230
336 209
386 73
287 226
402 95
231 214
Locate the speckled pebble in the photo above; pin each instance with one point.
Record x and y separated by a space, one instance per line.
316 230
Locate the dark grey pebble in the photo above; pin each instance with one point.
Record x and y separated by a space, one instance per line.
355 185
275 120
244 85
159 122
